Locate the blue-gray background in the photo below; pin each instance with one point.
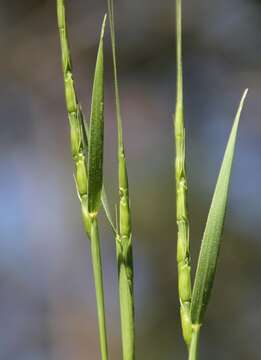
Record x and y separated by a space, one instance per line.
47 302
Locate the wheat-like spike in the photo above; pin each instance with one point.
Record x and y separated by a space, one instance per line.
75 115
183 251
79 145
124 234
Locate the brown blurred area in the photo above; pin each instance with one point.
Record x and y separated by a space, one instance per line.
47 301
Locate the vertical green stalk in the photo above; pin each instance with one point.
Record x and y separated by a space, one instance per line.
79 144
124 233
183 252
193 349
98 281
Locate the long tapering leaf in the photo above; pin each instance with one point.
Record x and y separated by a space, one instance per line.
104 198
211 240
95 159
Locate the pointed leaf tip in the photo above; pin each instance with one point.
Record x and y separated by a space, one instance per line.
212 235
241 105
103 26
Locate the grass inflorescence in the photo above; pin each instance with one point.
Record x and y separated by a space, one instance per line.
87 148
194 300
88 169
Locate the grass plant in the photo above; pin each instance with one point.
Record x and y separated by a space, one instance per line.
124 231
87 153
88 170
193 307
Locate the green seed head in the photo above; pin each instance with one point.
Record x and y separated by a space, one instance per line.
70 96
182 244
184 282
125 220
75 134
81 176
186 324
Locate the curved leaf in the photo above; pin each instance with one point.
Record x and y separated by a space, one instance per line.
211 240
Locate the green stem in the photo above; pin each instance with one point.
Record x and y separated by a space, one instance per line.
125 263
193 349
98 281
126 305
124 233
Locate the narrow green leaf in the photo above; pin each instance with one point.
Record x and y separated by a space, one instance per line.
211 239
104 197
95 158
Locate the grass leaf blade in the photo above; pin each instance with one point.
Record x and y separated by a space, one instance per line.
211 239
104 198
96 133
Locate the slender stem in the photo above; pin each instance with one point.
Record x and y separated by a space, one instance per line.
183 252
125 264
126 304
124 233
193 349
115 71
98 281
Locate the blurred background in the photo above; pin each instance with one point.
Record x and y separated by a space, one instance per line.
47 301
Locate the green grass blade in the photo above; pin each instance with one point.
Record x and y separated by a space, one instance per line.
211 240
95 185
182 218
104 198
96 133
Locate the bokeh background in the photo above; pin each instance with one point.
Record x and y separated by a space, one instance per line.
47 301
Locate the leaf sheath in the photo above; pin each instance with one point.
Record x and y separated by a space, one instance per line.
98 281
